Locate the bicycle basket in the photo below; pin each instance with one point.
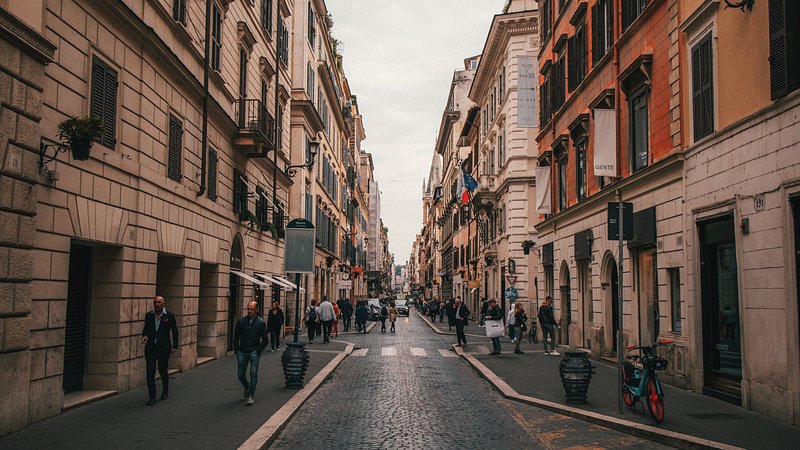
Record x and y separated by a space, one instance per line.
655 363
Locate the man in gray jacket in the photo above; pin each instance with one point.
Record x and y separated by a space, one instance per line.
326 316
249 340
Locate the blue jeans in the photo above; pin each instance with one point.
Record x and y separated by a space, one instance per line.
242 358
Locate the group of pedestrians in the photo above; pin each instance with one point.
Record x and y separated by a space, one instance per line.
517 321
320 320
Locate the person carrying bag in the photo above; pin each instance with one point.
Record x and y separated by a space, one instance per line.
494 326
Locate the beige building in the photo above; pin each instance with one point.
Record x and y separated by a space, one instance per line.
504 154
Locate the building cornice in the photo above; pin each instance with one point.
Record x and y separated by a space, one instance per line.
26 38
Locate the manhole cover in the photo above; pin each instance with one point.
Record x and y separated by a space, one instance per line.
716 416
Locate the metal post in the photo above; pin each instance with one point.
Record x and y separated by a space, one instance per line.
297 307
619 306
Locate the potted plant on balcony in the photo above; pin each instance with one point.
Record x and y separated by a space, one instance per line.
527 245
328 261
271 228
80 133
249 218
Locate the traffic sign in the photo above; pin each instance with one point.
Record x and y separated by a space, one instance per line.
299 248
613 221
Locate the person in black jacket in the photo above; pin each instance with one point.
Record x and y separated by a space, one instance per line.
249 340
158 324
548 322
275 325
493 312
458 316
361 316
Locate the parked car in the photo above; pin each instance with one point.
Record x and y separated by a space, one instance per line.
402 307
374 306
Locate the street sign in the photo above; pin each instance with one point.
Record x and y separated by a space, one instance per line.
613 221
345 284
512 266
511 293
299 248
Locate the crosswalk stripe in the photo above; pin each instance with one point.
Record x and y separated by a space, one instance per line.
389 351
479 349
447 353
417 351
360 352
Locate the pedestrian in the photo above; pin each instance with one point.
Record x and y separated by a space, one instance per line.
312 320
459 313
335 325
347 313
383 316
442 310
275 325
159 326
249 340
519 326
484 307
548 322
511 323
450 314
326 315
392 316
493 312
361 317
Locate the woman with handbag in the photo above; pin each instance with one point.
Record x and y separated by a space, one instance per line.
494 321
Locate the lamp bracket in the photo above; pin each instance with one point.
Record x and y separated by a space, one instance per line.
742 4
44 159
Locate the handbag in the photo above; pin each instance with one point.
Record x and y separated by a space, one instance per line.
494 328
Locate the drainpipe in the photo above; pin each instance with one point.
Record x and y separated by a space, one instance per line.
204 139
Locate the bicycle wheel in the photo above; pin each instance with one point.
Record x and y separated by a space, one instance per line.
655 402
628 397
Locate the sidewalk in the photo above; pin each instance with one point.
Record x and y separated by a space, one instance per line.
205 409
534 378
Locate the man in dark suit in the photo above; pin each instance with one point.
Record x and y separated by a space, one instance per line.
458 316
249 340
158 324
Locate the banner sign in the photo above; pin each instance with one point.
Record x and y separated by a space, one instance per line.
526 104
605 143
543 190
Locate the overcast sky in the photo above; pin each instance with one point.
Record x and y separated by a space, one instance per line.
399 58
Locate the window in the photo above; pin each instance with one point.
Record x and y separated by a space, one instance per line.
216 35
262 216
580 169
174 157
239 193
312 26
266 16
278 218
576 54
631 9
639 138
500 148
784 47
546 18
104 100
703 88
562 182
283 43
211 191
310 82
544 100
675 298
179 11
502 83
243 57
602 29
491 161
558 91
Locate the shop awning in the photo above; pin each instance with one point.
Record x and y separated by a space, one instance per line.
247 277
280 281
472 291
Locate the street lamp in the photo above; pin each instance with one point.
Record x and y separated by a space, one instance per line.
313 149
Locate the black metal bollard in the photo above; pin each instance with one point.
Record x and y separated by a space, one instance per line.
295 363
576 372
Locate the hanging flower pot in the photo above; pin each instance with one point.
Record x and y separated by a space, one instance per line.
329 261
527 245
80 133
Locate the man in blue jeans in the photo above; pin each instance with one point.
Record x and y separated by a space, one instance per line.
249 340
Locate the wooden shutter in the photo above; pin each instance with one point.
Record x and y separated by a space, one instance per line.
237 191
597 46
777 49
702 88
211 191
572 63
175 147
104 100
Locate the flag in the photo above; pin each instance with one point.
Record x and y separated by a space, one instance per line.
470 182
466 184
461 189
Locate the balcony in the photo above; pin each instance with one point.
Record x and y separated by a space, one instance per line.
255 134
485 196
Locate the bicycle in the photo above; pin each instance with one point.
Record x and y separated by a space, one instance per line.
532 339
640 380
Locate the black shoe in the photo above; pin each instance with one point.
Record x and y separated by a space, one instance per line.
519 352
164 396
492 354
151 402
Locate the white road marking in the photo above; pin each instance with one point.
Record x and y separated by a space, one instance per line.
417 351
389 351
360 352
447 353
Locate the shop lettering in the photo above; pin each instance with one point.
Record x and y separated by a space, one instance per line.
722 347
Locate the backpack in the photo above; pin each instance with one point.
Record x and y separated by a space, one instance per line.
312 314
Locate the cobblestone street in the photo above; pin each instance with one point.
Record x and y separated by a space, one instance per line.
408 390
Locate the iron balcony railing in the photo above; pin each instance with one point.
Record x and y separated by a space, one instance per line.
252 117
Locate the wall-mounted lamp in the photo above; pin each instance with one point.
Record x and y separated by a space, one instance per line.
44 159
313 149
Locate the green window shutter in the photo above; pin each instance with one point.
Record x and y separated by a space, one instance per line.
104 100
175 149
597 46
703 88
237 191
777 49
